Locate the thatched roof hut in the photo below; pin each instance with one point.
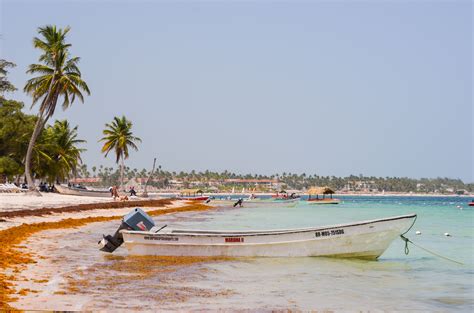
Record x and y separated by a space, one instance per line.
320 191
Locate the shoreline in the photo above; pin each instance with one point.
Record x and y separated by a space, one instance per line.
15 230
222 194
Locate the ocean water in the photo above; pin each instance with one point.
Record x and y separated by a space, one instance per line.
417 281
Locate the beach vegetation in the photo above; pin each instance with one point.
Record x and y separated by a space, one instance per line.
15 130
5 84
56 153
57 79
226 181
119 138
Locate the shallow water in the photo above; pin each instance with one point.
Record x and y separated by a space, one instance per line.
418 281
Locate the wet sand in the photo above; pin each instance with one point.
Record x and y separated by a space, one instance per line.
71 274
31 264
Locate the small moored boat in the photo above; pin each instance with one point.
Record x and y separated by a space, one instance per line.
253 202
316 191
324 201
366 239
73 191
257 202
192 194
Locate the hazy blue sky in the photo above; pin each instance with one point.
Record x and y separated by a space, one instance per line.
334 88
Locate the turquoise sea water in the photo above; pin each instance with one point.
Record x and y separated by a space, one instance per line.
418 281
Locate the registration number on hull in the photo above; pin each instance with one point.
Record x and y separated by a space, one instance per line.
161 238
326 233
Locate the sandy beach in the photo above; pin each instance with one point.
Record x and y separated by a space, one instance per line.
32 227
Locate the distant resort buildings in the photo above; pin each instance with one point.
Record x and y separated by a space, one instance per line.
249 185
212 185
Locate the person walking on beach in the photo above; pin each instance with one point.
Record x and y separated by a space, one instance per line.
115 192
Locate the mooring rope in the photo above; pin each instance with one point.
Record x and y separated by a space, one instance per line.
407 250
416 216
427 250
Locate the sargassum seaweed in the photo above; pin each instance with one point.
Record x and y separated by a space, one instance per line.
15 260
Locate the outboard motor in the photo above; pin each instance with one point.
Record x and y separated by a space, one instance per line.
135 220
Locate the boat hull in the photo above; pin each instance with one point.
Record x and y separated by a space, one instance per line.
323 201
199 198
270 203
367 240
79 192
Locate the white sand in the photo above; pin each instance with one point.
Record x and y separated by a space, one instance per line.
12 202
20 201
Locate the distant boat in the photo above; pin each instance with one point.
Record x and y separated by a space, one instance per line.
74 191
323 201
255 202
192 194
283 195
365 239
321 191
270 202
471 203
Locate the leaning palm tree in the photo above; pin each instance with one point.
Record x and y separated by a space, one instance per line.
118 136
58 78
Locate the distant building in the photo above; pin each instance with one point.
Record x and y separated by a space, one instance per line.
269 183
361 186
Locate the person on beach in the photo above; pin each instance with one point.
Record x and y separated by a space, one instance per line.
115 192
132 191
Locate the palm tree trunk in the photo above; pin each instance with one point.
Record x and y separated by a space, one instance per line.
121 173
29 153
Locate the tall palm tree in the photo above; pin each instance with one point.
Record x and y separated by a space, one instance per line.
118 136
58 78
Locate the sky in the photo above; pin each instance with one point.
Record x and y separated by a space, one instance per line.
379 88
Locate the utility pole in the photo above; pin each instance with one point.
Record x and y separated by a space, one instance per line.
145 194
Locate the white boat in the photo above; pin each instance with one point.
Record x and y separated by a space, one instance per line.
366 239
255 202
270 202
72 191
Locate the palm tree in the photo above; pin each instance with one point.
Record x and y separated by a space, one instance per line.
5 85
58 151
118 136
59 78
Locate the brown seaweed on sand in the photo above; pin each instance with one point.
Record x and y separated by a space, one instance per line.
15 260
